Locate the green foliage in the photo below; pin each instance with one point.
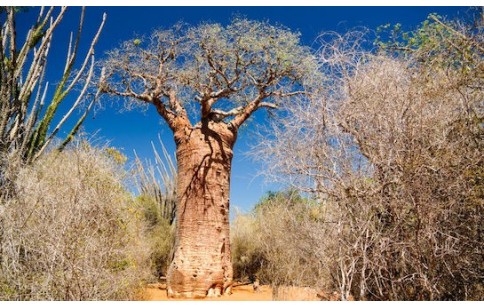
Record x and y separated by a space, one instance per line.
119 265
438 43
290 196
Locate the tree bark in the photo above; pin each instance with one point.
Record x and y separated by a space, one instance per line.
201 265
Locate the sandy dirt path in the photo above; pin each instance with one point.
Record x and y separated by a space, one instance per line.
157 292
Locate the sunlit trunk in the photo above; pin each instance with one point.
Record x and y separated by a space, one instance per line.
201 265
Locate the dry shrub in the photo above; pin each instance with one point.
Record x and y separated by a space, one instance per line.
279 242
391 147
159 235
247 256
283 293
156 184
71 231
425 149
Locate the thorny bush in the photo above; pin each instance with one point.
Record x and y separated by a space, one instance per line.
71 231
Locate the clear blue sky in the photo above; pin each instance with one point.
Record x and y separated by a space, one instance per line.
133 130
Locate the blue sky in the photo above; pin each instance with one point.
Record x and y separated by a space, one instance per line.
133 130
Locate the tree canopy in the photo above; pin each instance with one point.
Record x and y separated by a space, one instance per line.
224 73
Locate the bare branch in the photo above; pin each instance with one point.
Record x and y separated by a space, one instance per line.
89 54
70 111
268 105
247 111
219 115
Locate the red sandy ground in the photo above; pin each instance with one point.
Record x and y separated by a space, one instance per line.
157 292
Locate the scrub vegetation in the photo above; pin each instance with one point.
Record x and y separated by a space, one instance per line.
378 140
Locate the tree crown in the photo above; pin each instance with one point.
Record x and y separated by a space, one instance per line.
225 72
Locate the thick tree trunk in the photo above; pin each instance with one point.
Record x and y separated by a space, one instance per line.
201 265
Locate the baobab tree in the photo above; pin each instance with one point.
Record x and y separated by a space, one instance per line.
224 74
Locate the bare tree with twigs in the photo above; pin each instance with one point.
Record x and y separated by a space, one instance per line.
393 150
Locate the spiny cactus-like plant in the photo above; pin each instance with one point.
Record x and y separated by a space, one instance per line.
158 182
156 185
26 108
